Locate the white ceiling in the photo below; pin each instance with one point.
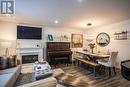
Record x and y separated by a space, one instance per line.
72 13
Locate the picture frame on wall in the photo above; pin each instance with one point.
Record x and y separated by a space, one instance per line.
77 40
50 37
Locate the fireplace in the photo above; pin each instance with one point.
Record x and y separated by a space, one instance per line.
29 58
30 55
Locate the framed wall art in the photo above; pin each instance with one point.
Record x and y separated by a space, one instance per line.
50 37
103 39
77 40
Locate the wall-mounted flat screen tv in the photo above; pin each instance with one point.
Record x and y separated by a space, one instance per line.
27 32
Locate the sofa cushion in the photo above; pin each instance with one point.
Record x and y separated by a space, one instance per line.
5 79
3 62
12 61
9 76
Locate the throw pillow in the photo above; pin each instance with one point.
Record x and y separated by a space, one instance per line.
3 62
12 61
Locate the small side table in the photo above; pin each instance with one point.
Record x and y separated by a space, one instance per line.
41 70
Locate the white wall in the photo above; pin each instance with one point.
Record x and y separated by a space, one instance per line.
123 46
7 33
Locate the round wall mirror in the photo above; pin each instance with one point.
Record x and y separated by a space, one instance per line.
103 39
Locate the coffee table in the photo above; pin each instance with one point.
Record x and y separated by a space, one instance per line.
41 70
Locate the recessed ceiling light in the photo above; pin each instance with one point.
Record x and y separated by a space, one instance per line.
56 21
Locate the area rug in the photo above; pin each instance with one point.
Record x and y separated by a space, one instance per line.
24 79
28 78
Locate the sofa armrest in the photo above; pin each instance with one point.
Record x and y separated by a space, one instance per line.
48 82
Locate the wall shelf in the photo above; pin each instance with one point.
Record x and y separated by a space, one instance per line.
120 35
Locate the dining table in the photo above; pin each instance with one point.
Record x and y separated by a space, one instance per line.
91 59
96 55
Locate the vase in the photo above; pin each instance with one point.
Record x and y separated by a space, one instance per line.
92 50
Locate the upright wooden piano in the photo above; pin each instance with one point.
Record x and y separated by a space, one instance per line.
58 52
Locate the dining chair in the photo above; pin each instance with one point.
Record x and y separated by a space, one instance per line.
110 63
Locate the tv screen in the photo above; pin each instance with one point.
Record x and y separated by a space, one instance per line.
27 32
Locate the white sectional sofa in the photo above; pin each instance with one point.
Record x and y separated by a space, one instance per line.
9 76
